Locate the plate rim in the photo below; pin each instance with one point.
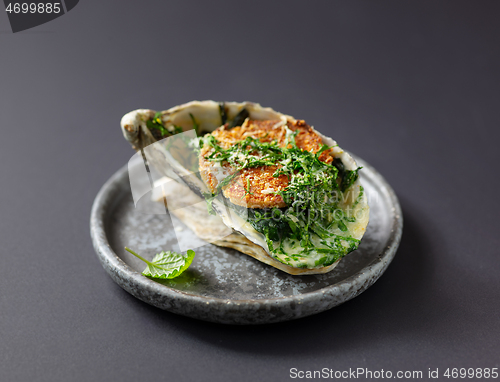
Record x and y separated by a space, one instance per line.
132 281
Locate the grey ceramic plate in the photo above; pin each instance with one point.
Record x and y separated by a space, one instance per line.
226 286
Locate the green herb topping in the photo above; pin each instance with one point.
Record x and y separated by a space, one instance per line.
314 229
159 131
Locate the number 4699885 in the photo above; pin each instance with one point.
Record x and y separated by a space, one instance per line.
471 373
33 8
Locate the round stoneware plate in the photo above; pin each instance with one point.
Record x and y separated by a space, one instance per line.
226 286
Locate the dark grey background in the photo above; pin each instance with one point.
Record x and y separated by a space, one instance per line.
412 87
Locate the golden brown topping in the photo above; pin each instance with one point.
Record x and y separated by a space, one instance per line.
256 187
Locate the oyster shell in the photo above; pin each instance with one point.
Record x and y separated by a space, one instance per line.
207 117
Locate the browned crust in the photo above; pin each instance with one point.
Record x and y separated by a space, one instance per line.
256 187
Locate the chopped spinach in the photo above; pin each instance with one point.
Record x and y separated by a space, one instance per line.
308 229
157 128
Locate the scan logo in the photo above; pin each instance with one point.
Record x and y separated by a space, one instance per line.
31 13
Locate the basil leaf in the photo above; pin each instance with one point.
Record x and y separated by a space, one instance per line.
166 265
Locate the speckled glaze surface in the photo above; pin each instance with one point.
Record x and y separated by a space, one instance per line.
226 286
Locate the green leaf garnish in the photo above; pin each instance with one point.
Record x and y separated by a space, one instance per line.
166 265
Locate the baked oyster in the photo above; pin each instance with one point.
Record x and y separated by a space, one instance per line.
291 196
